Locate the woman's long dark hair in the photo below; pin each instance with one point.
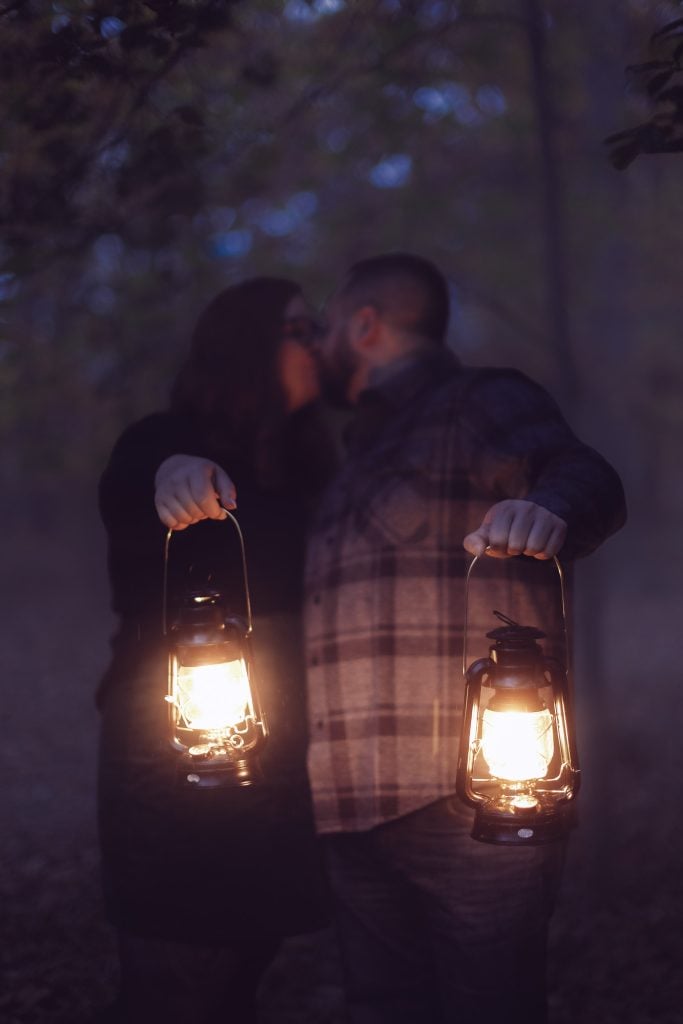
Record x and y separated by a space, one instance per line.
229 384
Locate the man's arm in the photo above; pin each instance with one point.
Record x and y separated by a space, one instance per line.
555 493
188 489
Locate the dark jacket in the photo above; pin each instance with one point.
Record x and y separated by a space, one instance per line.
250 855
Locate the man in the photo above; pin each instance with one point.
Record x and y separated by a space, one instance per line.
433 925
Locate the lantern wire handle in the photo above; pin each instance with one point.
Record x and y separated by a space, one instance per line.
247 599
563 599
505 618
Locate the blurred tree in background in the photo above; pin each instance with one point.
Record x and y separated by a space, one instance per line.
154 152
662 80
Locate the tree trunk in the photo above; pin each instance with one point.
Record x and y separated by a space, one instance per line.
553 222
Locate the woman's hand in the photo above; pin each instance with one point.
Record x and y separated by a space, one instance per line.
189 489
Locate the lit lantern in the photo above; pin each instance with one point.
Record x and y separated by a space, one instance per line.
216 722
518 765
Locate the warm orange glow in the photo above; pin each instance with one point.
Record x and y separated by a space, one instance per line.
211 698
517 745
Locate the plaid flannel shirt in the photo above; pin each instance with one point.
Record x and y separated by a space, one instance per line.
429 451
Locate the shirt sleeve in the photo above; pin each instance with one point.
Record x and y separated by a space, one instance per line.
517 444
126 487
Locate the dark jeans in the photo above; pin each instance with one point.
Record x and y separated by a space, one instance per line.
173 983
436 927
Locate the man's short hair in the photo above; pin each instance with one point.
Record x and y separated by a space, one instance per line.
409 290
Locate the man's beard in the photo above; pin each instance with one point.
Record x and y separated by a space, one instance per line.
336 373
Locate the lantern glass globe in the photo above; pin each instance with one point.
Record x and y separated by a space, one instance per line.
517 745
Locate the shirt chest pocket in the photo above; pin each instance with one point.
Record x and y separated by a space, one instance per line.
394 506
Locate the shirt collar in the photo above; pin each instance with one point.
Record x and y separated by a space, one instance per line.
402 380
391 389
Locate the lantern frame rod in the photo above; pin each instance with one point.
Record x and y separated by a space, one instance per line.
245 578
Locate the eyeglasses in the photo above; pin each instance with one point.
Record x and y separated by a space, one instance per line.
305 330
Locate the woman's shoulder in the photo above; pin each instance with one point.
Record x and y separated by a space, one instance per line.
153 426
138 453
159 434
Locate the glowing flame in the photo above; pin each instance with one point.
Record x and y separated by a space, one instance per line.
214 697
517 745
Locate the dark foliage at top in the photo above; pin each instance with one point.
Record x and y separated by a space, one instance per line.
79 77
663 85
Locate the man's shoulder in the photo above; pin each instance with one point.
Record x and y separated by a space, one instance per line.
480 384
472 376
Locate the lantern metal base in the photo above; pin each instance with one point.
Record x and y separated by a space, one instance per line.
216 775
528 828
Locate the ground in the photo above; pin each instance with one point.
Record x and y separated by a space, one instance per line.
616 938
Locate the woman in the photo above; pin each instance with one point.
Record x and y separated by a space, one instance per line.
203 885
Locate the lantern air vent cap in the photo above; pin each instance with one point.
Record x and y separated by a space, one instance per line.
512 632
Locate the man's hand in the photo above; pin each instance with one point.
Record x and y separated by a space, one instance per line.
189 489
517 527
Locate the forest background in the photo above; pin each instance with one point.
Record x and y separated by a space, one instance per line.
153 153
